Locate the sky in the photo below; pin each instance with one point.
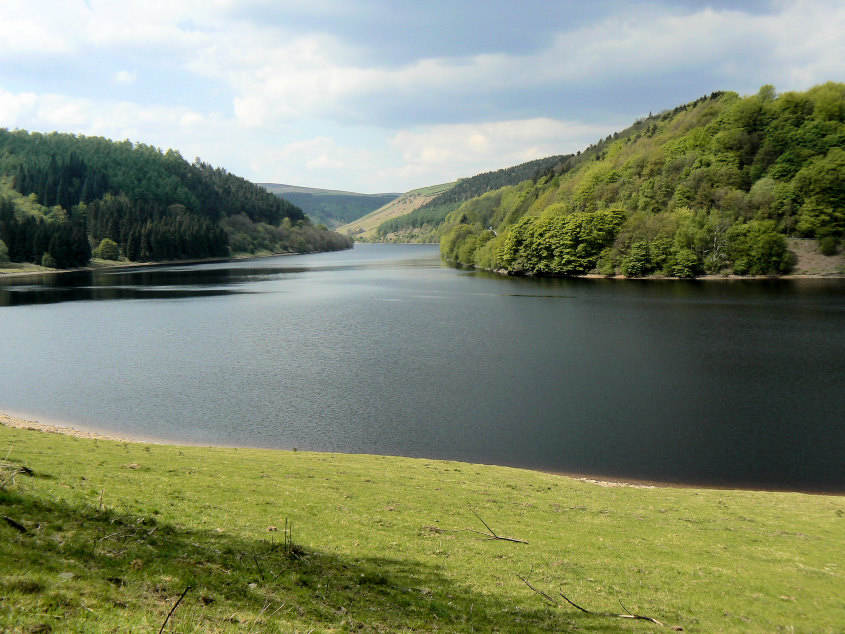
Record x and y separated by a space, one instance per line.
387 96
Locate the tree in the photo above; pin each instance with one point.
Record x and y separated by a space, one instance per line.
108 249
756 248
638 262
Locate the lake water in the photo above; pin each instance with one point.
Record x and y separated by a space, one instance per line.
384 349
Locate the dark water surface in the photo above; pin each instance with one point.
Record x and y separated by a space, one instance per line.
383 349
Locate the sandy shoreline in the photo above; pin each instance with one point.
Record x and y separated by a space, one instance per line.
34 425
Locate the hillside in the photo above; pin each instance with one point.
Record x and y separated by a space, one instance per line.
364 229
714 186
330 207
64 198
420 225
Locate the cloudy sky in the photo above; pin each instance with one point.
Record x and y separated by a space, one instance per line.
377 95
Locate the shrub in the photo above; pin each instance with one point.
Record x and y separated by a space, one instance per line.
686 264
638 262
827 245
108 249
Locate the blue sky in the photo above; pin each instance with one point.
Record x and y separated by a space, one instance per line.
377 96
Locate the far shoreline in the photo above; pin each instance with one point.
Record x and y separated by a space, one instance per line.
21 421
113 265
108 265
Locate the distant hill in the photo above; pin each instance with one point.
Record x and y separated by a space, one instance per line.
719 185
330 207
420 224
364 229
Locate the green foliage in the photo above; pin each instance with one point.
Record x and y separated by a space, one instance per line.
638 261
49 261
61 193
756 248
821 184
559 245
452 244
827 246
417 219
108 250
686 263
469 188
705 187
4 253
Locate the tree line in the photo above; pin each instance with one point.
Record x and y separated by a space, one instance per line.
63 195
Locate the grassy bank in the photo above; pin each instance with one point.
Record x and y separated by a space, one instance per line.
105 536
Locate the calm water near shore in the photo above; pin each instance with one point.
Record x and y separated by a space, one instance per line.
385 349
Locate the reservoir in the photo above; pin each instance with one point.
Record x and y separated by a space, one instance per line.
386 349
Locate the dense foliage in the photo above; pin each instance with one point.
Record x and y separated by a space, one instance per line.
714 186
65 197
420 225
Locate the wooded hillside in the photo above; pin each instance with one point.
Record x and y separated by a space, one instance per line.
64 197
713 186
421 224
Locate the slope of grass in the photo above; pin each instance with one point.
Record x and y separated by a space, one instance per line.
104 536
364 229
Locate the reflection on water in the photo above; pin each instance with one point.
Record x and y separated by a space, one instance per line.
180 281
384 349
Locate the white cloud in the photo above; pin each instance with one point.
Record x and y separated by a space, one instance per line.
467 149
272 103
314 160
125 77
113 119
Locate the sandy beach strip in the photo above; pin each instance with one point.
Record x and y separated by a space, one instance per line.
22 423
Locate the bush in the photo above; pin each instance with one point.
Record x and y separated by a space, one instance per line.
686 264
48 260
108 250
756 248
4 252
827 245
638 262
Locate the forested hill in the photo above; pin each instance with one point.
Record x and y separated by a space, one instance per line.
420 225
714 186
330 207
65 197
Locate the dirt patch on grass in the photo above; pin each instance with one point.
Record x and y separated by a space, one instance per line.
809 259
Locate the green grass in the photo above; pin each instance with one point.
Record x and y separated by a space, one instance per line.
115 532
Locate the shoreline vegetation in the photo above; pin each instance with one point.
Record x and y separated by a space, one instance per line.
809 265
15 269
102 535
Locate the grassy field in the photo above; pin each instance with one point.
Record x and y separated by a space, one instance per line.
105 536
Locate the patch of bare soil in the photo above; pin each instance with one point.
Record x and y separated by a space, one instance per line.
811 261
